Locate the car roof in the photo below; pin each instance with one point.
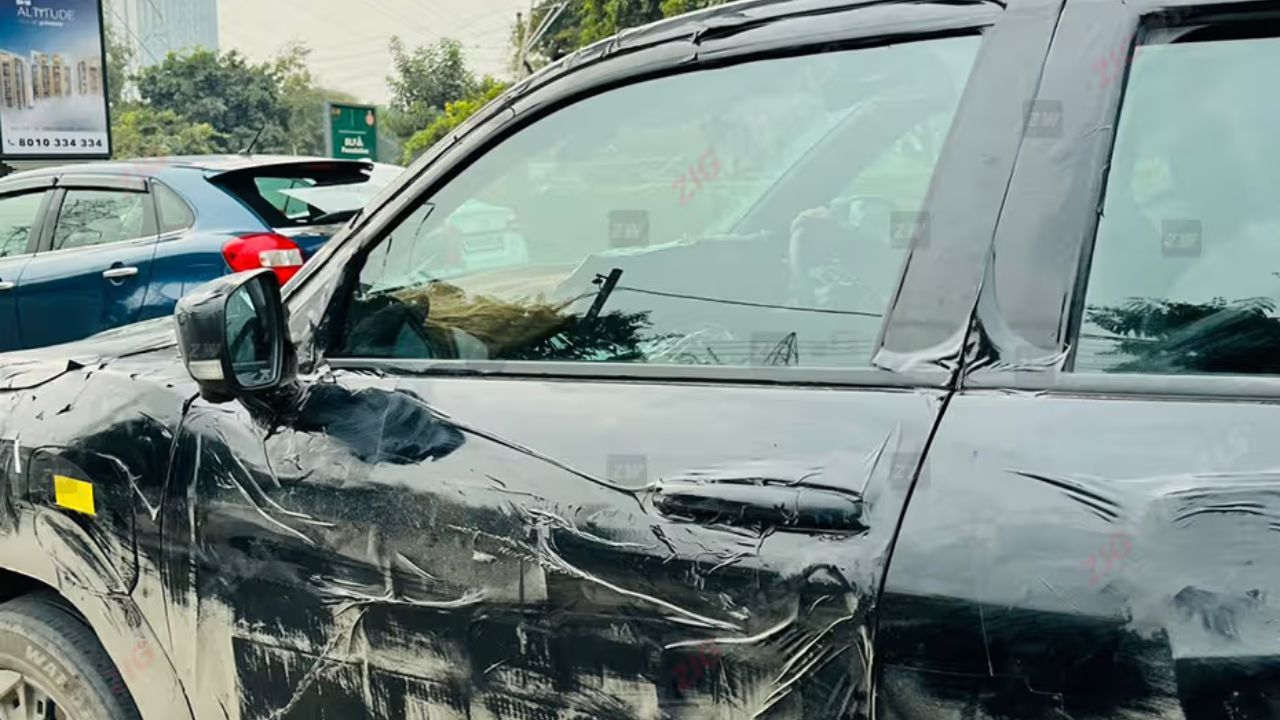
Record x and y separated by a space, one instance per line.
214 164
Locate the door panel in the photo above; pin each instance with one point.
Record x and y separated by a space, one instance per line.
1088 557
95 272
487 548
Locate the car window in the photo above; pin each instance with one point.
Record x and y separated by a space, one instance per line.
17 217
175 214
601 233
306 193
272 190
97 217
1186 265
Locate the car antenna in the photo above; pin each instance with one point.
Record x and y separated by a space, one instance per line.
253 143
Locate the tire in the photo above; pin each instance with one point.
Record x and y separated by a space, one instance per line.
56 652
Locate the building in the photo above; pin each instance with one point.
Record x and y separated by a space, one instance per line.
41 77
155 28
89 76
61 77
14 91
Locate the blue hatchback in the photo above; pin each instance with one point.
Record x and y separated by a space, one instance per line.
86 248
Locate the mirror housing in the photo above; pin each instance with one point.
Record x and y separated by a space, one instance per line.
233 334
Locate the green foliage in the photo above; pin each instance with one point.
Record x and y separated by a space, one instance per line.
236 98
303 101
671 8
585 22
455 113
1163 336
147 132
119 56
425 81
203 102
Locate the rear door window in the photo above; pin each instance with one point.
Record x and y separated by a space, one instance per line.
1185 274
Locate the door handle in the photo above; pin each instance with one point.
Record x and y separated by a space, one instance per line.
120 273
778 505
7 285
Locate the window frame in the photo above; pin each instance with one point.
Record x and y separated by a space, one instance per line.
98 184
1051 243
317 296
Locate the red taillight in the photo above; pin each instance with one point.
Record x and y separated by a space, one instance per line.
264 250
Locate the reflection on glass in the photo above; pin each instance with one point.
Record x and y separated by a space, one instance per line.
756 214
249 340
1186 265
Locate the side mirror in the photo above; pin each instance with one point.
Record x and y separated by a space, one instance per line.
234 336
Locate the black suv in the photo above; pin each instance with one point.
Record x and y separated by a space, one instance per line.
790 360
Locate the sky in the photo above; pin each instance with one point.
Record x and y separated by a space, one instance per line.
348 38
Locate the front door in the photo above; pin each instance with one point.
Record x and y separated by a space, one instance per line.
94 264
599 432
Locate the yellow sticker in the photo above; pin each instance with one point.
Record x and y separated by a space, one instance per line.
74 494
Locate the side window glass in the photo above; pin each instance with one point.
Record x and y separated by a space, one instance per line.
97 217
17 217
740 216
1185 276
175 214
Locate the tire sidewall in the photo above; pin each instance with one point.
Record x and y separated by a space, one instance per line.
49 670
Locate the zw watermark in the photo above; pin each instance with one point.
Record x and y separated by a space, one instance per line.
1181 238
1112 64
690 670
690 182
628 228
1119 546
629 470
139 660
908 229
1044 118
907 466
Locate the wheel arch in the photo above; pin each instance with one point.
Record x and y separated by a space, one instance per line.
137 652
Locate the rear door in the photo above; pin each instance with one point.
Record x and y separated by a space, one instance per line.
93 266
648 467
1098 537
22 209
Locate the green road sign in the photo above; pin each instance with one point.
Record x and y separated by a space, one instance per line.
352 131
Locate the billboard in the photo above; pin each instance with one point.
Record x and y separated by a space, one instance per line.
352 131
53 80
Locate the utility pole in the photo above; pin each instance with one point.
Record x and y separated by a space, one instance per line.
531 39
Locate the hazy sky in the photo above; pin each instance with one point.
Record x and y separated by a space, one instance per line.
348 38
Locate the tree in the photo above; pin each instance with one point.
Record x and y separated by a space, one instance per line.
303 101
425 81
119 57
585 22
147 132
239 100
1163 336
454 115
